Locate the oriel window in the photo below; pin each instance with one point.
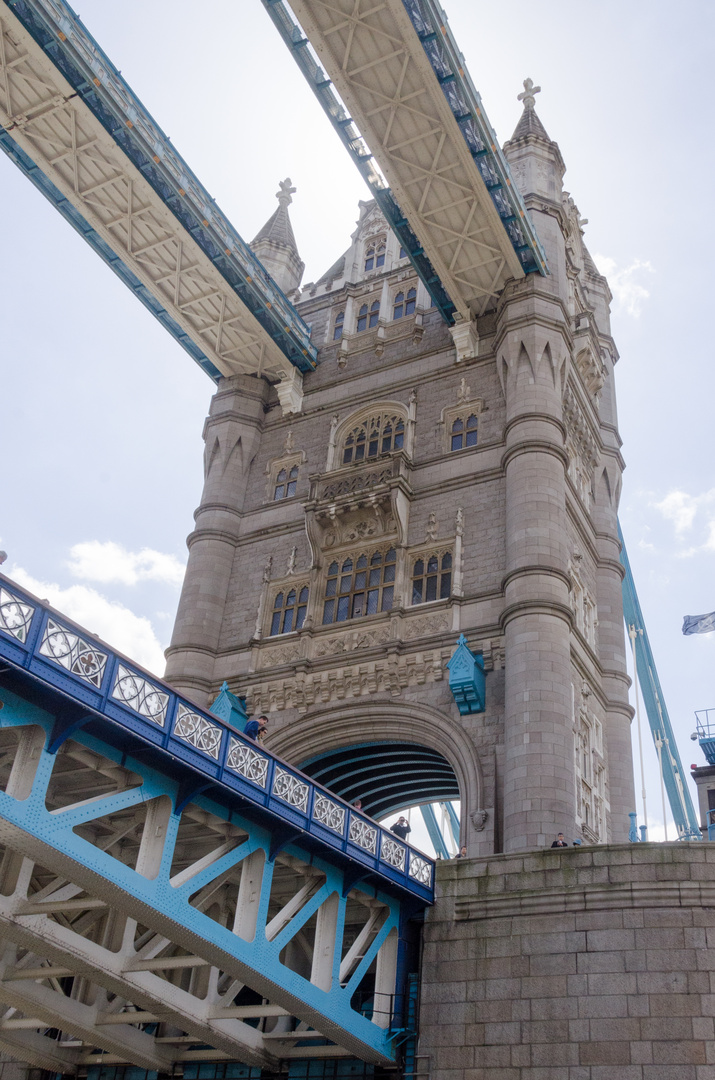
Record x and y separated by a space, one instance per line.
378 435
361 585
289 611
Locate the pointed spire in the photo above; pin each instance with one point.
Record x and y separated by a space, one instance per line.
529 123
275 244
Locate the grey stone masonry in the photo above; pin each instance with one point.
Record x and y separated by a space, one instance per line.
580 964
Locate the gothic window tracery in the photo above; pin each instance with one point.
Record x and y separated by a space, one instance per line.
375 254
289 610
338 326
404 306
358 585
463 432
286 483
590 774
432 578
374 436
368 318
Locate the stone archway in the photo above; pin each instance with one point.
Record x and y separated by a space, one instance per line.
334 728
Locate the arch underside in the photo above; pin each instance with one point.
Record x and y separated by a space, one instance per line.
387 775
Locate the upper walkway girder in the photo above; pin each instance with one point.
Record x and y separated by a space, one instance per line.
154 853
73 125
396 67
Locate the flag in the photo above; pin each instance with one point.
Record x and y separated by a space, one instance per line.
699 624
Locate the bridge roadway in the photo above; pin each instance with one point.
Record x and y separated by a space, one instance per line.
75 128
170 891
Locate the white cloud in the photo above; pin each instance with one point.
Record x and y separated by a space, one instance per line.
628 292
108 562
688 511
117 625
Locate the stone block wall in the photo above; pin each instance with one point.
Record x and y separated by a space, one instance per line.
577 964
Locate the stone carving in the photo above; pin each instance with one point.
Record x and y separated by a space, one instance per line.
363 481
428 624
479 819
288 445
283 654
386 675
432 528
291 561
464 393
267 570
357 639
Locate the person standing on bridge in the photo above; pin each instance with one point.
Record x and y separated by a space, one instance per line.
255 729
401 828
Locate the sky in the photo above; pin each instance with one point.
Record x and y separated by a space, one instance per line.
101 411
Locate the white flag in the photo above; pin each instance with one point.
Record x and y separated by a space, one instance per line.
699 624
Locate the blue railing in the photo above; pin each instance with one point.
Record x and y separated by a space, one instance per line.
40 643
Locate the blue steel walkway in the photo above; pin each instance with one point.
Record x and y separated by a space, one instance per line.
189 815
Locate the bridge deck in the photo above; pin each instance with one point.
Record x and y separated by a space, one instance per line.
75 128
195 889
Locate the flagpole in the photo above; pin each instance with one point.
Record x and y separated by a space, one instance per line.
632 633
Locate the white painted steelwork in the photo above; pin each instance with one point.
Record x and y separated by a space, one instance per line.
378 65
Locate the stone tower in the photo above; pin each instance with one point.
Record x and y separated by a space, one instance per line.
431 483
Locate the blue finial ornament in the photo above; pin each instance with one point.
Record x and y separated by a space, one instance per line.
466 678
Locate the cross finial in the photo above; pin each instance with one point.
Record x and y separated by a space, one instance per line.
528 94
286 190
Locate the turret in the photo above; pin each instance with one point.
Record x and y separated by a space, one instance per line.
275 244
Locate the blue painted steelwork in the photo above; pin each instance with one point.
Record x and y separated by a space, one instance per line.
78 57
97 682
230 709
453 819
70 213
633 829
59 677
681 805
354 143
435 833
467 680
705 726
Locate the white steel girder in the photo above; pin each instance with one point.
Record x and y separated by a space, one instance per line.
377 64
47 119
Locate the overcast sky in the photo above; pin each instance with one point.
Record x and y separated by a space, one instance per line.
102 411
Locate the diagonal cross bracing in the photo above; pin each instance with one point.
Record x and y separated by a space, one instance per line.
398 71
74 127
149 852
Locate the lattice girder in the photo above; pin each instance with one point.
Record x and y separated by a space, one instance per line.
169 244
378 65
101 893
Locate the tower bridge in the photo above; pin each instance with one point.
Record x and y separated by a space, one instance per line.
436 460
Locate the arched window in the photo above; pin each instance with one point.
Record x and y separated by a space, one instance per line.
398 308
380 255
410 302
289 610
338 326
374 313
362 318
377 435
432 578
370 258
359 586
286 483
464 432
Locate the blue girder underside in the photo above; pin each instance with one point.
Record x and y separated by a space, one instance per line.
681 804
205 224
70 213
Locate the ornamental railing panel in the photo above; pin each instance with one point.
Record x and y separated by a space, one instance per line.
139 694
198 732
66 648
247 762
290 789
329 813
392 853
15 615
363 834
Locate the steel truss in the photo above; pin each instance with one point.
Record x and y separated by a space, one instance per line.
75 128
169 890
397 68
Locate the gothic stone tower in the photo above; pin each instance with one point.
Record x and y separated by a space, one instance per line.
429 483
